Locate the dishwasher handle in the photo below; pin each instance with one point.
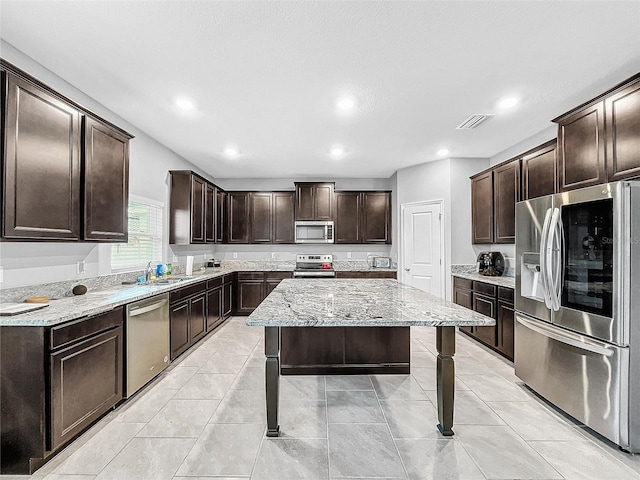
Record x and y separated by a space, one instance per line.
147 308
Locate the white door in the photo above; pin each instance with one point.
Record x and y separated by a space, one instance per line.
422 252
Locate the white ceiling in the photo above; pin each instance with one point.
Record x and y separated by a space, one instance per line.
265 75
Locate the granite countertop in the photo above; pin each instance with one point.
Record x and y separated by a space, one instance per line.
509 282
110 297
358 303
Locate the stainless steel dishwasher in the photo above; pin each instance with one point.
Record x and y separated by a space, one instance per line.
147 340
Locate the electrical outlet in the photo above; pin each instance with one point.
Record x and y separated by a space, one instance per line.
235 254
175 259
1 274
273 255
349 255
80 267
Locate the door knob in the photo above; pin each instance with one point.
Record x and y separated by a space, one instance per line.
407 269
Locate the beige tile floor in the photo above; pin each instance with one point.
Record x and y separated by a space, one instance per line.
204 418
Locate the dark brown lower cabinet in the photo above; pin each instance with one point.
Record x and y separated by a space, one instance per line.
214 307
56 382
344 350
227 295
86 381
179 332
370 274
253 287
188 317
492 301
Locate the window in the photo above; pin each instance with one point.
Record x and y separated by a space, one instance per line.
145 236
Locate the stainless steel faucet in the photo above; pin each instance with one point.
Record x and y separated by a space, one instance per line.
149 272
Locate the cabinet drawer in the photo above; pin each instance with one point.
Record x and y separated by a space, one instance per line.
228 278
215 282
250 276
278 275
462 283
71 332
506 294
187 291
485 305
484 288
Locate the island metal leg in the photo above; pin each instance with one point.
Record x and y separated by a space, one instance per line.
446 346
272 378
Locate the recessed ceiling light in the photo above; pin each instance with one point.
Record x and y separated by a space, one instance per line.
507 103
442 152
338 151
231 151
185 104
346 103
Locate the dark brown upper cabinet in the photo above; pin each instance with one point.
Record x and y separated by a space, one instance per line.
194 209
506 192
314 201
238 217
376 217
598 141
539 171
42 154
622 117
53 145
348 219
581 149
210 213
482 208
261 217
106 182
283 217
221 200
363 217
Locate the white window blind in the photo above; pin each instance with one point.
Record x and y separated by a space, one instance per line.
145 237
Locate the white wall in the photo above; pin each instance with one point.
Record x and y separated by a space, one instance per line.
30 263
527 144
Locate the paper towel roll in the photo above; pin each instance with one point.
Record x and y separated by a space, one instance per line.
189 265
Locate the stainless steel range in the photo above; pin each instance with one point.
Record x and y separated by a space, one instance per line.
577 339
314 266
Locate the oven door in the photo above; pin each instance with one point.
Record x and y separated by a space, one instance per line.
586 261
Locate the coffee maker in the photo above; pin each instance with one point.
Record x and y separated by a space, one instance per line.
490 264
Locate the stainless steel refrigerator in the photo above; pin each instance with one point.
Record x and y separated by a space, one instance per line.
577 300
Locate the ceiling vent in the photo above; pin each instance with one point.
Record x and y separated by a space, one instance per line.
474 121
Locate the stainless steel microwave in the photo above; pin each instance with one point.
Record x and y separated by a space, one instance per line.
314 232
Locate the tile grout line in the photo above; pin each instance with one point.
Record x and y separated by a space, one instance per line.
326 416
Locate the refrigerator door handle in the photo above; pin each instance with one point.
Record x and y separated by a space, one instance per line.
554 259
544 267
568 338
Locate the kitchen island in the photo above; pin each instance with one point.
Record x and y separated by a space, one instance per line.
361 303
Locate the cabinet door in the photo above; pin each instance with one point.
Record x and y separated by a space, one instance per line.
106 182
283 218
464 297
348 216
197 318
198 191
260 211
227 299
506 192
376 220
312 345
220 215
486 306
41 164
377 345
482 208
305 201
581 149
250 294
323 200
505 328
86 381
623 133
539 172
210 214
214 308
238 217
179 318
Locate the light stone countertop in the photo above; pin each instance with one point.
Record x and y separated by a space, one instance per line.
358 303
107 298
509 282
